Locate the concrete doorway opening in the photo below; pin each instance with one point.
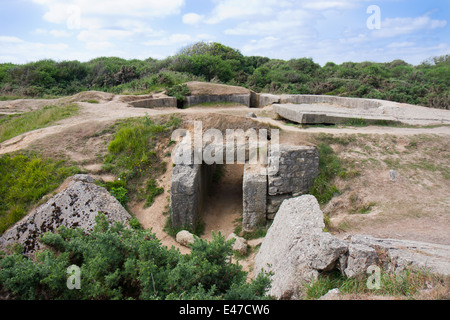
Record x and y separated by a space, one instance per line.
223 205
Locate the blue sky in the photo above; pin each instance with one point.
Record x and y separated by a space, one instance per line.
325 30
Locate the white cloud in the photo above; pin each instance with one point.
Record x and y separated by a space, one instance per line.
60 33
284 21
99 46
13 49
59 11
98 35
403 44
393 27
192 18
174 39
237 9
327 5
8 39
256 46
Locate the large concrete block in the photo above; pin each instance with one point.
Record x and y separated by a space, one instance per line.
244 99
188 191
254 190
168 102
185 196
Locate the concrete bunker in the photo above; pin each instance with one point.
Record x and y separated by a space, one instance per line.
290 171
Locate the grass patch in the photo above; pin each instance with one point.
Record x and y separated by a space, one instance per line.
135 156
24 180
13 126
343 140
329 167
9 98
152 191
406 284
132 153
257 234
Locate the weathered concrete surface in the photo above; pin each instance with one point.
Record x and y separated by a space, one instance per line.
243 99
360 257
342 101
265 99
298 166
337 110
75 207
254 191
398 254
189 186
295 248
169 102
186 195
319 114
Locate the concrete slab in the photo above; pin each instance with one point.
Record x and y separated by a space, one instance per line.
327 114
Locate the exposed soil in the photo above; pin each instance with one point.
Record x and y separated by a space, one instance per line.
202 88
223 206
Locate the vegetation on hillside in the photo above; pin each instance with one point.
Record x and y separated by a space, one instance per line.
425 84
120 263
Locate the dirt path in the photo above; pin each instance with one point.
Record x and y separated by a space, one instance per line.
114 110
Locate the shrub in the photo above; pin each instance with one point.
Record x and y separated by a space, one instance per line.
180 92
120 263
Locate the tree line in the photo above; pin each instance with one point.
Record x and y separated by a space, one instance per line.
426 84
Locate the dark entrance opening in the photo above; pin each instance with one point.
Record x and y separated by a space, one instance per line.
222 207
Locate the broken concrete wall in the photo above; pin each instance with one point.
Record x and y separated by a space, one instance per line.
265 99
236 98
169 102
298 166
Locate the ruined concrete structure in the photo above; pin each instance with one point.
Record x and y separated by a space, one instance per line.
264 188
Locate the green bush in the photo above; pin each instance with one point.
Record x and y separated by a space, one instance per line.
180 92
118 190
427 83
120 263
